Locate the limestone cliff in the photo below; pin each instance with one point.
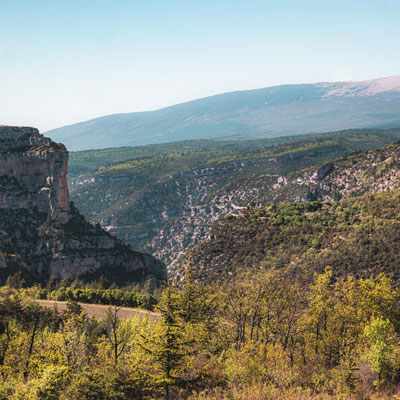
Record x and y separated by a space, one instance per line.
33 172
41 233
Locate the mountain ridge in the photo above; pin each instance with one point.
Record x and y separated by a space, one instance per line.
265 112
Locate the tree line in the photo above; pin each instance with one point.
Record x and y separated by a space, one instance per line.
257 336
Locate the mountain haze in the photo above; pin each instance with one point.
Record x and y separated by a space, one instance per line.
260 113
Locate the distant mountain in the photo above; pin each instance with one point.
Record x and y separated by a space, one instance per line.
260 113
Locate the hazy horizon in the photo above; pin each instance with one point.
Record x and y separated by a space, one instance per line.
217 94
69 61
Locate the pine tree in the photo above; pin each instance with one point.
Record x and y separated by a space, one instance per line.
168 346
189 294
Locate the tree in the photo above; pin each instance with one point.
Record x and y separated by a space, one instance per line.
318 322
75 332
10 310
196 301
382 344
117 332
16 280
167 347
34 318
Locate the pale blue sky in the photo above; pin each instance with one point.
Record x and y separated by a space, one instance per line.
64 61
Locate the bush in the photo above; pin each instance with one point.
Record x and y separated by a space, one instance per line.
49 386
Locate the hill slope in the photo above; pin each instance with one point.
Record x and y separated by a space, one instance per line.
354 175
269 112
359 236
173 196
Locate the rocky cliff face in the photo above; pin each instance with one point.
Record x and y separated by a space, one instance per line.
33 172
42 234
371 172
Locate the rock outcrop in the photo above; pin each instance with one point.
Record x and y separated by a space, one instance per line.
36 168
354 175
41 232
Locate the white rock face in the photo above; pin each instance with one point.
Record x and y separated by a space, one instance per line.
364 88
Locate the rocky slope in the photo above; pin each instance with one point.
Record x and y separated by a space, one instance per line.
354 175
358 236
42 234
138 210
268 112
236 240
171 200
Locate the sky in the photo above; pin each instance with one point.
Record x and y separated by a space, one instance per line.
66 61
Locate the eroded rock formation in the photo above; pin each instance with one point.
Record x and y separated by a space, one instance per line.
33 172
44 235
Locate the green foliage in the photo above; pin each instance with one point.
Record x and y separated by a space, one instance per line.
143 184
383 349
359 236
49 386
16 280
263 335
101 385
115 297
168 347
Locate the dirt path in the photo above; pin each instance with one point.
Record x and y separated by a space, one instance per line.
98 310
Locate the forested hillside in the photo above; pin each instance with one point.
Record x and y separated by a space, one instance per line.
358 236
83 162
171 196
